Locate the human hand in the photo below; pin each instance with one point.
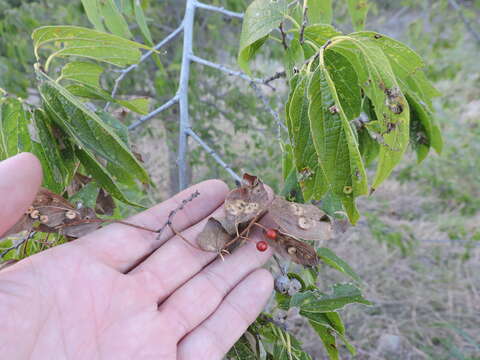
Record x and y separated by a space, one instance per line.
119 293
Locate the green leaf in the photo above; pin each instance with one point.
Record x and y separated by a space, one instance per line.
311 175
318 34
47 180
14 135
346 83
358 10
114 19
88 43
88 130
285 346
53 158
101 175
261 17
422 129
368 146
242 350
138 105
316 302
94 14
87 195
419 84
320 11
142 22
116 125
122 176
82 72
381 87
406 64
294 57
86 78
335 143
328 326
332 260
332 204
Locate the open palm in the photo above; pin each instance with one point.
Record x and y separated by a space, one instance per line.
119 293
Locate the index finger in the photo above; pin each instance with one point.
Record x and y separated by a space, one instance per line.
122 246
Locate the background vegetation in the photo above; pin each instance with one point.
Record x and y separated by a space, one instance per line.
416 247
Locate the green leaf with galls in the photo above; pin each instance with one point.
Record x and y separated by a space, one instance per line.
346 83
294 57
335 143
406 64
380 85
311 175
261 17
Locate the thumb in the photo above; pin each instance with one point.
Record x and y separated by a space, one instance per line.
20 178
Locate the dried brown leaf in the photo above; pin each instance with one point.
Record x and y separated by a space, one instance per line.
302 221
245 203
104 204
25 223
213 236
7 263
295 250
78 182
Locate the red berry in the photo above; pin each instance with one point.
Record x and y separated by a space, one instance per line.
271 234
262 246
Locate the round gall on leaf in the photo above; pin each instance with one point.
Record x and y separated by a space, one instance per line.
35 214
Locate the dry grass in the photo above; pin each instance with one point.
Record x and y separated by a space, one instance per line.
415 296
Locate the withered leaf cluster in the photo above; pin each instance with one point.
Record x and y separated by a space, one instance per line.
246 205
51 213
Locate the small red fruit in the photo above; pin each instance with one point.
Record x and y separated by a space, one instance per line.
262 246
271 234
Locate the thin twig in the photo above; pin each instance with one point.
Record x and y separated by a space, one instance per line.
172 214
187 52
304 22
226 70
284 36
462 16
246 230
219 10
280 125
183 237
154 113
30 235
214 154
277 75
125 71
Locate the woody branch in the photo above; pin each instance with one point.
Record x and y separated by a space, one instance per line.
181 96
